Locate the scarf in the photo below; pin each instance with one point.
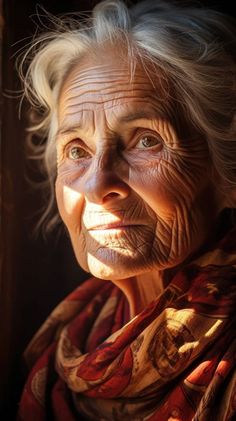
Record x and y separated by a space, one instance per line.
173 361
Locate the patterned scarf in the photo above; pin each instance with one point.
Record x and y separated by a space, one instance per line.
173 361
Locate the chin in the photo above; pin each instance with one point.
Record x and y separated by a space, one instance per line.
102 270
122 267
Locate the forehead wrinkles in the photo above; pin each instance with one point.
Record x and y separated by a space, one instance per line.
97 73
106 76
103 86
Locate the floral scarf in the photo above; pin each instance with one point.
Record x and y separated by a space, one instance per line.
173 361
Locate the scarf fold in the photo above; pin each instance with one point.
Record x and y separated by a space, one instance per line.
173 361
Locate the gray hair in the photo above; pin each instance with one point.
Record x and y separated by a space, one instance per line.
194 48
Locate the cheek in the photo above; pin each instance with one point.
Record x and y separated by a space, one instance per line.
70 204
170 181
158 190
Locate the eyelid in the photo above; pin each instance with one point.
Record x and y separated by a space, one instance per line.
75 141
146 132
73 144
68 142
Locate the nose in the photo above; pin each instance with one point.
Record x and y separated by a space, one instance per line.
103 183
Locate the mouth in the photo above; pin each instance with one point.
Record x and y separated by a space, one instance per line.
112 226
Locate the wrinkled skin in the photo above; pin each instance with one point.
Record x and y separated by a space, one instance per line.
120 161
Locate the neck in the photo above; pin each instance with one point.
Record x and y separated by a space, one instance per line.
141 290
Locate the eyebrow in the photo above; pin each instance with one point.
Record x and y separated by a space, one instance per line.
66 131
149 115
139 115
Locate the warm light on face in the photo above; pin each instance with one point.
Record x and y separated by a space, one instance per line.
71 198
104 218
133 195
95 263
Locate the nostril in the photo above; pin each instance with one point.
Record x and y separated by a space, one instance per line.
111 196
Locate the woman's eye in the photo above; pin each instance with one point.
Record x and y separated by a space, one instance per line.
148 141
76 152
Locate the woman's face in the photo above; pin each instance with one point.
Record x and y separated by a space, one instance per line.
133 195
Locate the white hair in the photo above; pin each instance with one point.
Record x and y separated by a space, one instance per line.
193 47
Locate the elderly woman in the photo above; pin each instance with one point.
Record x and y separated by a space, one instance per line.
138 108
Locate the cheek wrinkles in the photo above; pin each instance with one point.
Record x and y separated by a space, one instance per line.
70 174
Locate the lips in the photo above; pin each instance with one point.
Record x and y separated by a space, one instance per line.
114 225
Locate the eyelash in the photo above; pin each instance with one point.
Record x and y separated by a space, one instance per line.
75 143
152 136
70 144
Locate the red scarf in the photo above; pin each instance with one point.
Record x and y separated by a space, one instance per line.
174 361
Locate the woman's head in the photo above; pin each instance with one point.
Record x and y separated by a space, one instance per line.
138 106
134 195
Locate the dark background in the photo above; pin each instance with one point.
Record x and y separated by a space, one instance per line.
35 274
